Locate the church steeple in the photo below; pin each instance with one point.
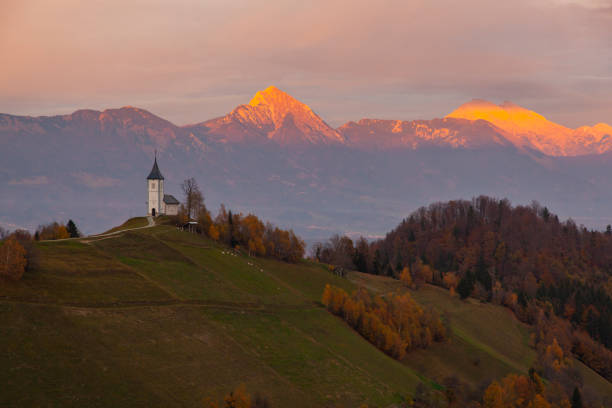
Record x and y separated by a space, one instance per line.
155 173
155 187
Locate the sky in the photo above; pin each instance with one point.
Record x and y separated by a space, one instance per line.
192 60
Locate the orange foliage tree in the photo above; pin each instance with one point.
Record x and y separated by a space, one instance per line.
238 398
396 324
450 281
13 259
518 391
52 231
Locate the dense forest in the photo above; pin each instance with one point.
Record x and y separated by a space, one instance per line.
555 275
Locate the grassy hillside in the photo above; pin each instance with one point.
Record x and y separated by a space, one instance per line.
159 317
486 342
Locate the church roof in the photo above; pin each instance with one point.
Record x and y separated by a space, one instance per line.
169 199
155 173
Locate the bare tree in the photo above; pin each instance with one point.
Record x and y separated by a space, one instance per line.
194 200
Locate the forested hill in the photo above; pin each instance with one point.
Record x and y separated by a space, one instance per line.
554 275
526 250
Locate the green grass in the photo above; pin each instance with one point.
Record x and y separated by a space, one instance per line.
486 341
159 317
135 222
69 272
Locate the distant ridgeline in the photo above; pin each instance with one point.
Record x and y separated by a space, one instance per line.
555 275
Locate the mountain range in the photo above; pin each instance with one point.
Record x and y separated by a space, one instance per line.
277 157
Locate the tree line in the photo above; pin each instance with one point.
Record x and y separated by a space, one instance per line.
396 323
238 230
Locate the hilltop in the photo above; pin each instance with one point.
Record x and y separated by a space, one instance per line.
160 317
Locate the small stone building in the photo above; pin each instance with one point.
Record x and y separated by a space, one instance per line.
171 205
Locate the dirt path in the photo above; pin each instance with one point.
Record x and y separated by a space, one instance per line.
98 237
92 238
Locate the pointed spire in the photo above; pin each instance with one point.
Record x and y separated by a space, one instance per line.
155 173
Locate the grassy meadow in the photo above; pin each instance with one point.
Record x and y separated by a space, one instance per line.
160 317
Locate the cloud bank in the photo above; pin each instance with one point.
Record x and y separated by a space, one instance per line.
192 60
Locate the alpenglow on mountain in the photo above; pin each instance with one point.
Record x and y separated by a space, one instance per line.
275 116
275 156
526 128
271 115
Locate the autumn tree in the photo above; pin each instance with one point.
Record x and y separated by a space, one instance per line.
239 398
450 281
204 220
406 277
12 259
52 231
252 229
395 323
251 233
213 232
519 391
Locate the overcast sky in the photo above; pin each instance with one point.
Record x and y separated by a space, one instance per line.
191 60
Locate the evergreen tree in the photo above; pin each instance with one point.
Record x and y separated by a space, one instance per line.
376 265
482 274
576 399
466 285
72 229
230 221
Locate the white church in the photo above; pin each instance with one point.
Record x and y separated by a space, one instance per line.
159 203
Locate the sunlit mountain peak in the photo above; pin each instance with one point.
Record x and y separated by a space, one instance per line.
277 116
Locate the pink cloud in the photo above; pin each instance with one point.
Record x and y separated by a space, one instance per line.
191 61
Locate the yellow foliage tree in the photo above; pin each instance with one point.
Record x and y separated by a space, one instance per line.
61 232
406 277
539 402
450 281
395 324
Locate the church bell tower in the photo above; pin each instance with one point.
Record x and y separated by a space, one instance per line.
155 188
